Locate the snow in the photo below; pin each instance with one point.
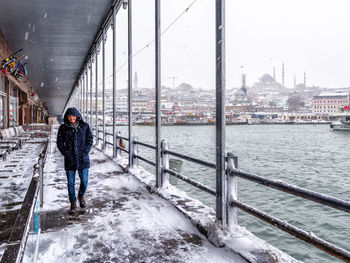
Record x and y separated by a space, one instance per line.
237 239
129 220
16 174
124 221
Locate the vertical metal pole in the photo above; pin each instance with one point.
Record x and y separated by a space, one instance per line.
90 92
220 113
131 145
96 87
114 81
104 142
4 157
82 94
76 100
135 148
232 193
41 177
103 84
165 163
118 151
84 87
158 93
79 100
86 93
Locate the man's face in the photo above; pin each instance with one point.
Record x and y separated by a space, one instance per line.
72 118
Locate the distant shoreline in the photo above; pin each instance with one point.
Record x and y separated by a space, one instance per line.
231 124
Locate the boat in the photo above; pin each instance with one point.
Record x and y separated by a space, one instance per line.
341 125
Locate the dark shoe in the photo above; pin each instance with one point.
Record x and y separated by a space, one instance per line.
82 202
73 208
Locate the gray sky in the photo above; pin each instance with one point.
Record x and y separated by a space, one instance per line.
311 36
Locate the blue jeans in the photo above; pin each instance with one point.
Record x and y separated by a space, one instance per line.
83 174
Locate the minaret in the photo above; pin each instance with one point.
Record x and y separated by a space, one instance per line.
274 73
295 82
136 80
283 74
243 80
243 88
305 80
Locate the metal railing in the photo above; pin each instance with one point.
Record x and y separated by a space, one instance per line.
226 185
232 203
300 192
16 244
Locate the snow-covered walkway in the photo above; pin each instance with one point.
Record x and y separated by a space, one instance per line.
124 222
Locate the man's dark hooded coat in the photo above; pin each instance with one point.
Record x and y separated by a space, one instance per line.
75 142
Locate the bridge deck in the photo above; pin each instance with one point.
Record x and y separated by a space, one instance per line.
124 222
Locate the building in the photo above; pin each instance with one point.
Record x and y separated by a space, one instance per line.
139 103
330 103
19 101
121 104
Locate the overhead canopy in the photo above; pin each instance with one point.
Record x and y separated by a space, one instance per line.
56 35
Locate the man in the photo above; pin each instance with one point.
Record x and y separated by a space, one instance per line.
74 140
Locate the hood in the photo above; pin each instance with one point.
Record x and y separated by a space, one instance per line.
72 111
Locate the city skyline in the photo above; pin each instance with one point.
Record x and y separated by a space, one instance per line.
307 37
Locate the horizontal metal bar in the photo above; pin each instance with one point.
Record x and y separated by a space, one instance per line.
191 159
108 133
295 190
145 160
122 149
308 237
124 138
191 181
145 144
109 143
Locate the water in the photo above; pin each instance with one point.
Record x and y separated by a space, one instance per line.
309 156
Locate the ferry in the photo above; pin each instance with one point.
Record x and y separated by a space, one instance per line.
343 125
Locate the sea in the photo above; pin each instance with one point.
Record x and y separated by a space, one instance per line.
308 156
